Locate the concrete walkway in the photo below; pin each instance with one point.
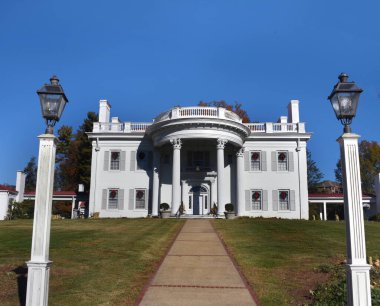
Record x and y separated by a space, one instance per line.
197 271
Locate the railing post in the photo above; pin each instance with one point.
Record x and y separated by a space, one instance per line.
301 127
175 113
268 127
221 113
127 127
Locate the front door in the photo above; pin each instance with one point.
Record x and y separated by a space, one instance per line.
196 203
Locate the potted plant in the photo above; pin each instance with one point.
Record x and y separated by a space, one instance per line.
229 213
165 210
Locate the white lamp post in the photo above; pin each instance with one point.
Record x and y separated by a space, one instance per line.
53 101
344 100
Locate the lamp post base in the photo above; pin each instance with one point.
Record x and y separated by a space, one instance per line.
358 284
38 283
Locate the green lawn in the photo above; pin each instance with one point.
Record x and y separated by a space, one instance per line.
279 257
95 262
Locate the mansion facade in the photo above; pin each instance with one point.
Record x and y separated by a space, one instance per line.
201 157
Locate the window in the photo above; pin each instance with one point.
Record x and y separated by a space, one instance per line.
113 197
140 198
282 161
198 160
255 161
283 196
190 201
115 161
256 200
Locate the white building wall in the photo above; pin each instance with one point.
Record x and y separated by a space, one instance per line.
119 179
4 202
270 180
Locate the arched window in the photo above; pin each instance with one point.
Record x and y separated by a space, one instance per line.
196 189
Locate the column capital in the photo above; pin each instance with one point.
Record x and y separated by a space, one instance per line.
221 143
177 143
240 152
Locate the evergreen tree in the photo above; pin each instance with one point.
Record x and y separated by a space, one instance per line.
76 150
31 174
314 175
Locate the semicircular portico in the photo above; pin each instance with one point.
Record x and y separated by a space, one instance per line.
198 127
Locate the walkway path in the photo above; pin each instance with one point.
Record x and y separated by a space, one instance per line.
197 271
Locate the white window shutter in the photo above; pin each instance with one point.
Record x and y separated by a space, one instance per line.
265 200
248 200
104 199
275 200
263 161
291 161
133 161
274 161
131 200
146 199
246 161
120 202
292 200
122 161
106 160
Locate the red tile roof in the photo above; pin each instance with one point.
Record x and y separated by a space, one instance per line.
7 188
332 195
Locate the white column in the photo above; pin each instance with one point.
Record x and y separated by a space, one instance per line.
358 282
239 182
220 160
324 211
39 264
213 198
156 183
94 175
176 175
184 192
72 207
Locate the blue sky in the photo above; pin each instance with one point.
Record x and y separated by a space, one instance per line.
147 56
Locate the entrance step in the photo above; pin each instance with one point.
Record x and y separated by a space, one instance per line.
185 216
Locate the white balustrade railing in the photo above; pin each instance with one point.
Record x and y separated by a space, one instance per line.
269 127
127 127
198 112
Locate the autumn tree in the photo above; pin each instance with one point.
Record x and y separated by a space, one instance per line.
369 157
236 108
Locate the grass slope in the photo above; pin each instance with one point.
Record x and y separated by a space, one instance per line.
279 257
95 262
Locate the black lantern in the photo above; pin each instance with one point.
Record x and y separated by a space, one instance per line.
345 99
53 101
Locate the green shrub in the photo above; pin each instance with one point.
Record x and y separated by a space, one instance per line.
21 210
164 206
334 292
375 218
229 207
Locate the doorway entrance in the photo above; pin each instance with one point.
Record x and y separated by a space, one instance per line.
199 200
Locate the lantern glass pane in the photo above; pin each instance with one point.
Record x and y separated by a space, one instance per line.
335 104
52 105
345 104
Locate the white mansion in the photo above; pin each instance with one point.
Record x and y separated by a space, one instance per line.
199 156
